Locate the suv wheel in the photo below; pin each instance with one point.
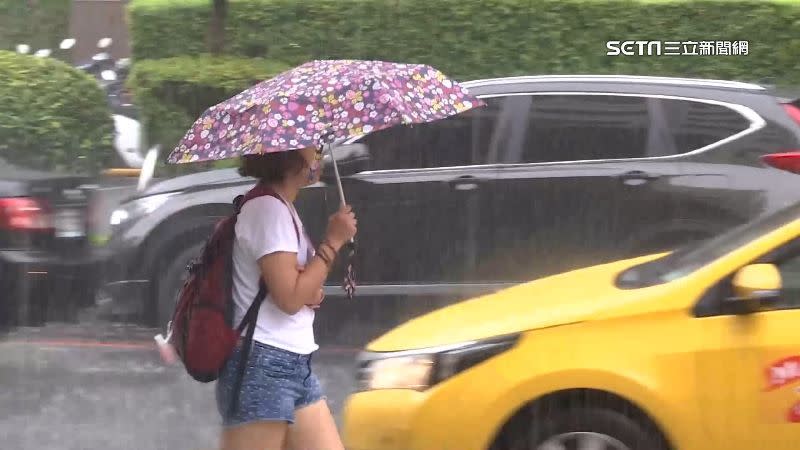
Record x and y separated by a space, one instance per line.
170 282
586 428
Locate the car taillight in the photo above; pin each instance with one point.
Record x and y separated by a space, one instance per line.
788 161
24 213
793 111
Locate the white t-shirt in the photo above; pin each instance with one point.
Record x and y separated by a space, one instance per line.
265 226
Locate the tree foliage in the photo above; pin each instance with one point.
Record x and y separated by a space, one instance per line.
53 116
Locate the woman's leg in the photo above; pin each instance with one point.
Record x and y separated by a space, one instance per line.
266 402
259 435
314 429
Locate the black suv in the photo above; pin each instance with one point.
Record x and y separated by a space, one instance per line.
557 172
47 266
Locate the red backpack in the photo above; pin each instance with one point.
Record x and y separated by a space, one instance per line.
201 330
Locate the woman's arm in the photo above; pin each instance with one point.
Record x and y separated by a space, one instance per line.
290 287
316 303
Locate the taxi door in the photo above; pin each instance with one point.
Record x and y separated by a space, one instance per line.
749 383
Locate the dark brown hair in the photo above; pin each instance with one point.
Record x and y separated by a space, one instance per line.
271 167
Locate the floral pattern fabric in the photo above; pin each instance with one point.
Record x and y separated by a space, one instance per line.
319 103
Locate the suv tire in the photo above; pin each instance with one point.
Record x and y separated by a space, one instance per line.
170 282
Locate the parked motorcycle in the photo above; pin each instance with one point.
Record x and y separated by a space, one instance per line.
111 76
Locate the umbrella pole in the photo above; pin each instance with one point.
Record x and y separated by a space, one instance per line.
342 200
338 178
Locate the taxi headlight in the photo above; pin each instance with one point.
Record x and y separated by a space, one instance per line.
423 368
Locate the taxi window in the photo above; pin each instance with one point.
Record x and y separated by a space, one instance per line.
693 256
790 273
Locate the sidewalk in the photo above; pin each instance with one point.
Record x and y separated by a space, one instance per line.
68 387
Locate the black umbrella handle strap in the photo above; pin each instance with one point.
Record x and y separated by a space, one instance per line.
349 282
249 321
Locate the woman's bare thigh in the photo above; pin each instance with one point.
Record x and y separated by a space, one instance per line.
255 436
314 429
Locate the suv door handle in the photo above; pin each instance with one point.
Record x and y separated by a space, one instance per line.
637 177
464 183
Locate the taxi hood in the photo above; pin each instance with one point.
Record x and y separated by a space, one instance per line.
557 300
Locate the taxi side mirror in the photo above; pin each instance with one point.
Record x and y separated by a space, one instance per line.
755 287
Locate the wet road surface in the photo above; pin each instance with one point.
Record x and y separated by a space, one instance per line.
72 387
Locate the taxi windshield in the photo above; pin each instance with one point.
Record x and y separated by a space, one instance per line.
691 257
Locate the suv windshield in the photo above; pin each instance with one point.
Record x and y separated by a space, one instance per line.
691 257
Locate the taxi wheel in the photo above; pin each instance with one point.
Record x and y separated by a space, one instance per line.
588 428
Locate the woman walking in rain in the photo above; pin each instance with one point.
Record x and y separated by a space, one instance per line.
280 404
276 127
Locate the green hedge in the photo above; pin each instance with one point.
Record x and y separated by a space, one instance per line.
173 92
479 38
467 39
40 24
52 116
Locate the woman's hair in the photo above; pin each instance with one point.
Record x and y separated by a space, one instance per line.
271 167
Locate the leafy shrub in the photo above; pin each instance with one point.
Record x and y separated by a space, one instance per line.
40 24
52 116
481 38
174 92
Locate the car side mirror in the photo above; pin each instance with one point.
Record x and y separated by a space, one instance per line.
350 159
754 287
148 168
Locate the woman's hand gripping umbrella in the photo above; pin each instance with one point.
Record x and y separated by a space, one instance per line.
323 103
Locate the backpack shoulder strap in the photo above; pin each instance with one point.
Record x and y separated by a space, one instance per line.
249 322
251 316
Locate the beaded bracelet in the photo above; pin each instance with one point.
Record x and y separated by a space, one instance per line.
329 246
324 258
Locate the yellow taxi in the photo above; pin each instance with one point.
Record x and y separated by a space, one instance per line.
697 349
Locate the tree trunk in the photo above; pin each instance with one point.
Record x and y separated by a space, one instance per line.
216 32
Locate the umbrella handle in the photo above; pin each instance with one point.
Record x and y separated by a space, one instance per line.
342 200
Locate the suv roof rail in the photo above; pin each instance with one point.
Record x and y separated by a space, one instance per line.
786 94
618 79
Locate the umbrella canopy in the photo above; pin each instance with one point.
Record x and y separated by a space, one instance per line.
322 102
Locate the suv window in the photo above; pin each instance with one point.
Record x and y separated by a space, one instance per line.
449 142
563 127
550 128
694 125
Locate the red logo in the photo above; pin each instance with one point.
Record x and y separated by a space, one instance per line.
783 372
793 416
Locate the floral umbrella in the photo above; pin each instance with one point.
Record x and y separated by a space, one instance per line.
320 103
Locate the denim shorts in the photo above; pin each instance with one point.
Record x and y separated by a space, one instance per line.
276 382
